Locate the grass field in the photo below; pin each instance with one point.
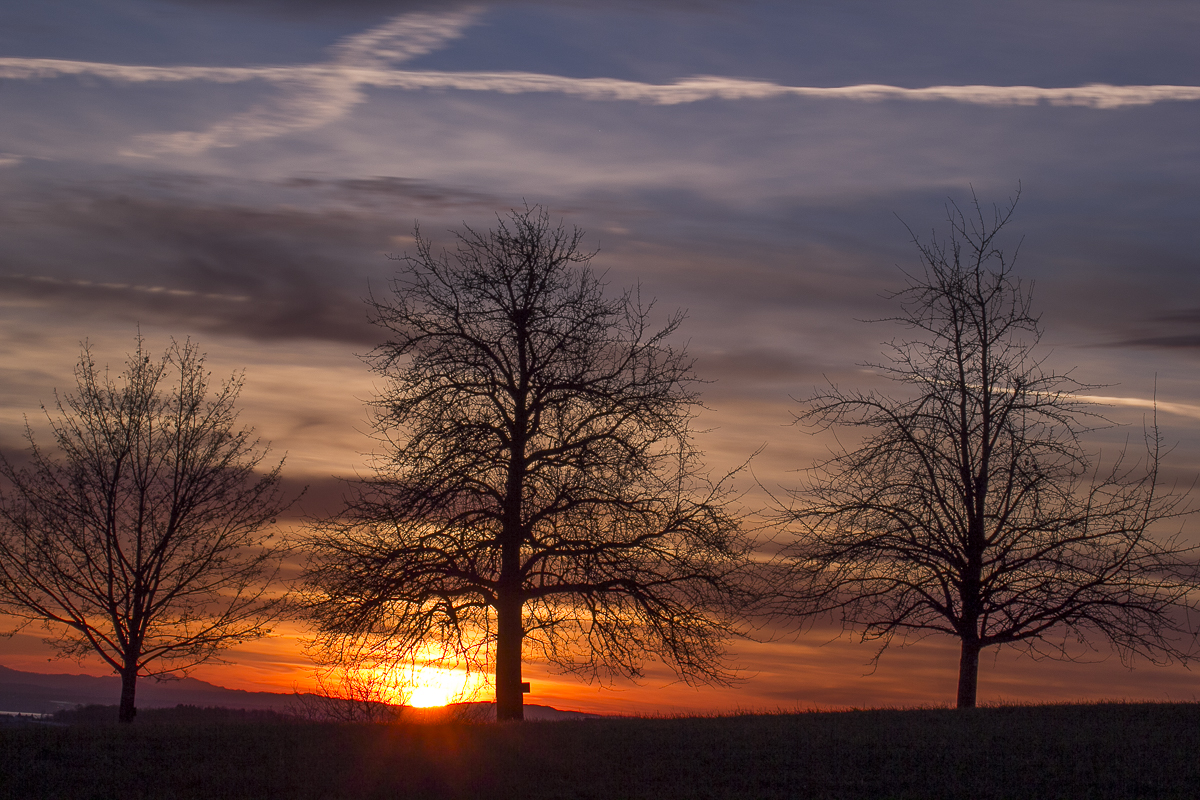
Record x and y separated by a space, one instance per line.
1077 751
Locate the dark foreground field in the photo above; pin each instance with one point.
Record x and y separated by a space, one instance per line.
1093 751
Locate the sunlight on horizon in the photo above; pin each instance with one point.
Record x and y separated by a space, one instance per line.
430 687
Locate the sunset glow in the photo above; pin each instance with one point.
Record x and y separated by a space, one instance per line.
434 686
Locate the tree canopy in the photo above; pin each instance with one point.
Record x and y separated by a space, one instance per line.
969 505
143 536
538 493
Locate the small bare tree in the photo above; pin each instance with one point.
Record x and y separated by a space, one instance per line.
352 689
969 507
141 538
540 488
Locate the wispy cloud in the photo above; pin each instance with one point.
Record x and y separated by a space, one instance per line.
1179 409
143 289
692 90
185 262
313 95
688 90
314 98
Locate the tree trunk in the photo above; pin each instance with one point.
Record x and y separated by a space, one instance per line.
128 692
968 673
510 631
509 635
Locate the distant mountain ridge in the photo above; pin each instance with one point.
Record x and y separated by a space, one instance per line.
39 693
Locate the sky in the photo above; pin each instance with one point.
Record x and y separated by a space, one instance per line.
239 173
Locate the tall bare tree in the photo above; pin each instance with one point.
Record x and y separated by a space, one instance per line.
140 537
539 491
967 505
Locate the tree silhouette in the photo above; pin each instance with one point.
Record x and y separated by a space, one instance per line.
141 539
539 490
968 506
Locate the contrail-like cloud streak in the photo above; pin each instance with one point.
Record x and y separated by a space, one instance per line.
311 95
1179 409
699 88
688 90
310 98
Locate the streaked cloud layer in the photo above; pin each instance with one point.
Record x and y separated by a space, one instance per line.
348 77
312 95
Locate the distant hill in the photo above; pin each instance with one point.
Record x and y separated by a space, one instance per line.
37 693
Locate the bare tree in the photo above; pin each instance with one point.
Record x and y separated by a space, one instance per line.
540 491
141 537
968 505
352 690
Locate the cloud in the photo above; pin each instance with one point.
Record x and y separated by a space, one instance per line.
267 275
350 76
1168 334
313 95
264 261
384 189
402 38
151 290
699 88
755 365
310 95
1179 409
303 313
1183 341
312 99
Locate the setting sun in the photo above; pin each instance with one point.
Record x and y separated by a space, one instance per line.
436 686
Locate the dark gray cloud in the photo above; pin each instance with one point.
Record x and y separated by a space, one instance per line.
264 274
293 258
1178 330
319 496
395 193
168 249
743 366
300 314
1171 342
